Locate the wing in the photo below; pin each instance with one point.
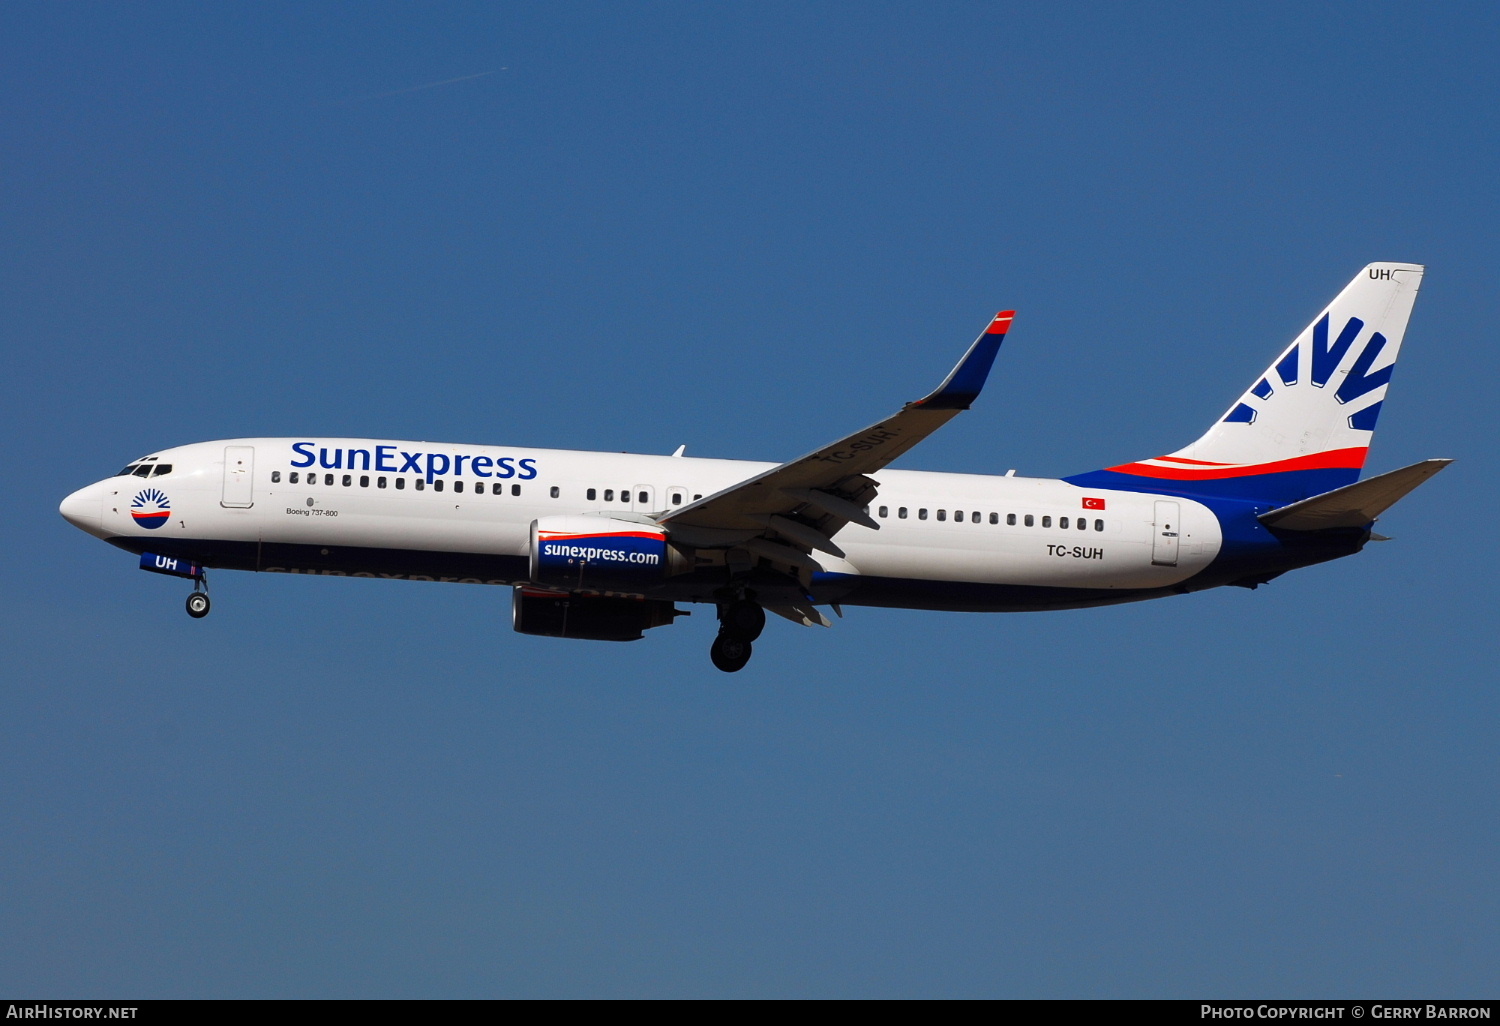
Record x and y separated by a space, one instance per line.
790 510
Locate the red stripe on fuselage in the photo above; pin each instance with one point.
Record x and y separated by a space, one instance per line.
595 537
1352 459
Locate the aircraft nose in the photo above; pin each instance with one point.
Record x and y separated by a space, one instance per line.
84 509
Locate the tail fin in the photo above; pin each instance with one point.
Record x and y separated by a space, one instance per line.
1306 424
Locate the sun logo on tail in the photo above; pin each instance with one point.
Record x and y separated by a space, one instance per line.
150 508
1316 360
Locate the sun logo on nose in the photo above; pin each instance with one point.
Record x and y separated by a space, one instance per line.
150 508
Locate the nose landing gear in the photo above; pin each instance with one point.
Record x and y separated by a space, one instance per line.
740 622
197 602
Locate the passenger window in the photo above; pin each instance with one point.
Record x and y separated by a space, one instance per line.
276 477
1030 520
1010 519
677 498
591 494
1046 521
292 477
328 480
958 516
380 482
554 492
885 511
901 513
348 480
458 486
642 497
400 483
1098 525
994 518
942 514
1062 522
1083 525
437 485
498 488
609 495
974 516
922 513
419 484
697 497
515 489
364 481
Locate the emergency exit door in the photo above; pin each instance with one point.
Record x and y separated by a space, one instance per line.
239 475
1165 532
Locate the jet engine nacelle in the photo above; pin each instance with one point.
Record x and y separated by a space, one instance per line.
587 617
602 554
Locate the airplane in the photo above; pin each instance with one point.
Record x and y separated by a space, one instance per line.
603 546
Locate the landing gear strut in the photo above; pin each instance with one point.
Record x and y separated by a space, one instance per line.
740 622
197 602
742 618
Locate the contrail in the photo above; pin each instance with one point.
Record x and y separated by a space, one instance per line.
429 85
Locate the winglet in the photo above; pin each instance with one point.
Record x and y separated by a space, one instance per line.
962 386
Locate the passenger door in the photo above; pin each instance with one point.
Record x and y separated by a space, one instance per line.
239 477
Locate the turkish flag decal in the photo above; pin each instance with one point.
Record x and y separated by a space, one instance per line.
1093 503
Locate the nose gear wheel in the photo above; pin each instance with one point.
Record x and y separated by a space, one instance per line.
197 603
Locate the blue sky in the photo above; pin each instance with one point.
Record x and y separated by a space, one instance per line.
748 229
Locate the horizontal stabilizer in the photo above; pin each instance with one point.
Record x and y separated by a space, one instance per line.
1353 505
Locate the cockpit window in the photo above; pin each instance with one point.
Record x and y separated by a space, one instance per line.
162 469
139 468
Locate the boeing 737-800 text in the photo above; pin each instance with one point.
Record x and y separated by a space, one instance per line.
603 546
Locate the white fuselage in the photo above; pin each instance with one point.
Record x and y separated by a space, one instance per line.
334 506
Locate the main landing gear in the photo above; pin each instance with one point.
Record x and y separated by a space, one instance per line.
197 602
740 623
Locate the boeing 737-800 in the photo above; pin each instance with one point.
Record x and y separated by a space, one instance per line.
603 546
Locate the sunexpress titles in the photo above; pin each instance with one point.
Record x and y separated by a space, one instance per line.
391 459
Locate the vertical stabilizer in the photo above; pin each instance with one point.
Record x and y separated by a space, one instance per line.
1305 425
